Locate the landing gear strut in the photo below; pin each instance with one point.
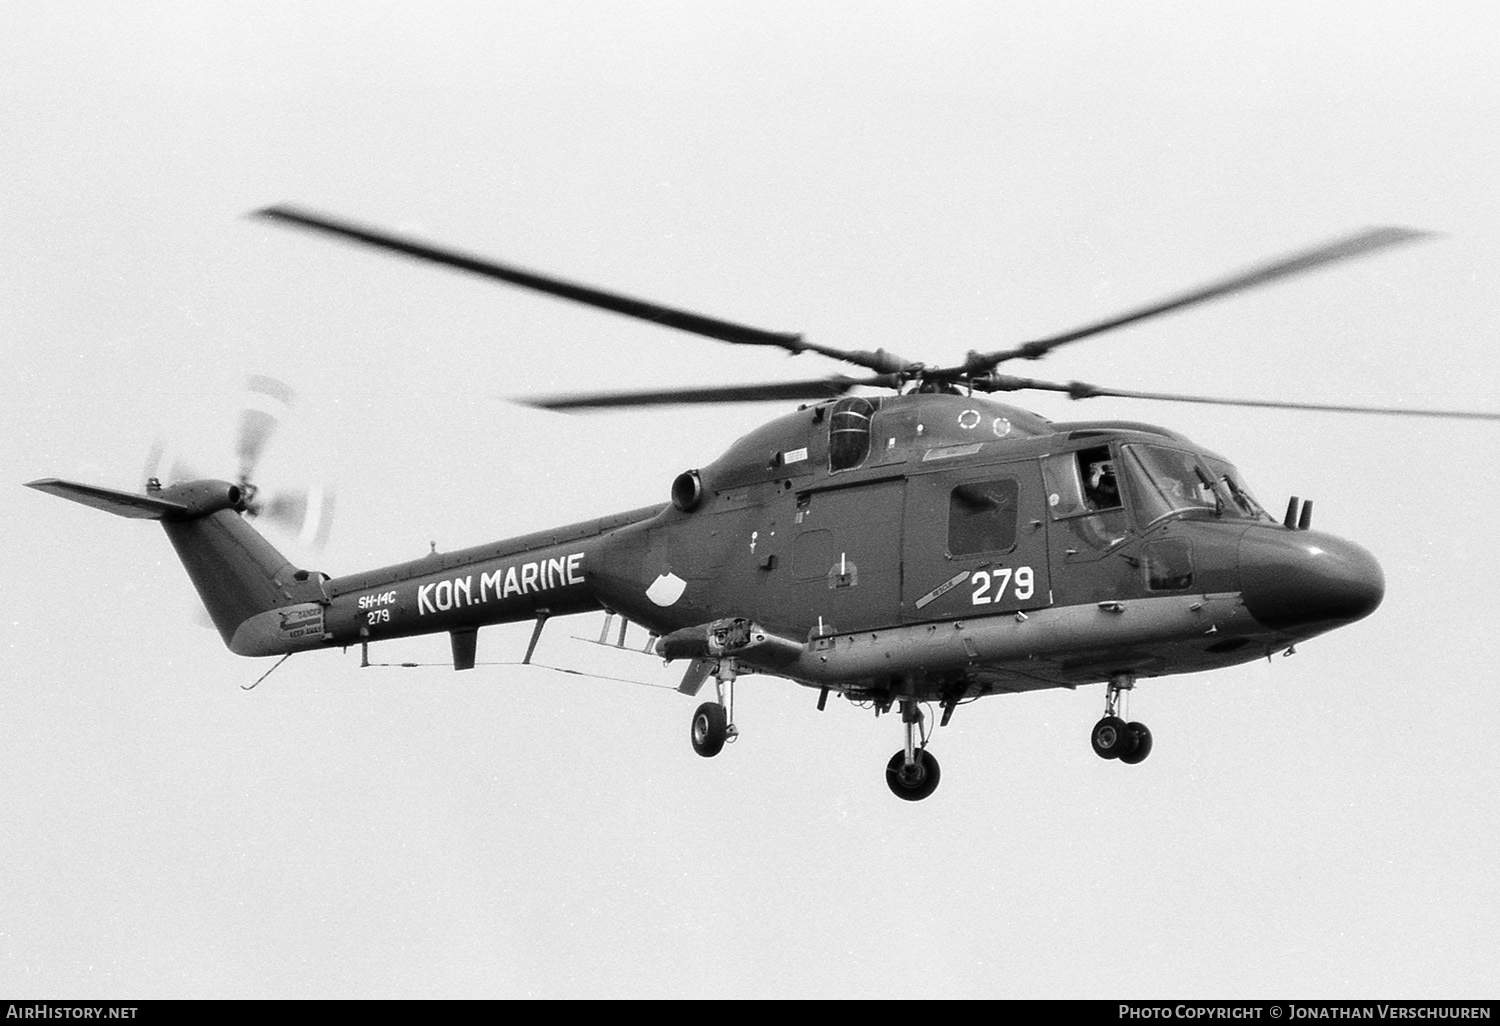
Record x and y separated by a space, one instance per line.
1112 737
913 772
713 723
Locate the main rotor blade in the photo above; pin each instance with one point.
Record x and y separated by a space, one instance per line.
824 388
683 320
1348 247
725 331
1083 390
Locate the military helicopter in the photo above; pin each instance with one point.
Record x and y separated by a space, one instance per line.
921 546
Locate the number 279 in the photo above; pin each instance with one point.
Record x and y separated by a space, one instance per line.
989 585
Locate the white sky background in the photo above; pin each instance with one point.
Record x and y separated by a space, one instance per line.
928 178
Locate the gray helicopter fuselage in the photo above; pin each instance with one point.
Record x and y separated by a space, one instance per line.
943 544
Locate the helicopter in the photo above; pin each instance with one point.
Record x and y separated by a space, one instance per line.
922 546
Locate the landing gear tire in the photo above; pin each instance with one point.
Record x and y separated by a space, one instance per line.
1140 747
915 782
1112 738
710 729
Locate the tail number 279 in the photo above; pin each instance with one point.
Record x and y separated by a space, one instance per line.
990 585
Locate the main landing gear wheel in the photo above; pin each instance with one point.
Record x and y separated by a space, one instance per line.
1111 738
915 782
710 729
1141 747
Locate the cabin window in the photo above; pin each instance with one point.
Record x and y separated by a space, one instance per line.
849 433
1082 482
982 516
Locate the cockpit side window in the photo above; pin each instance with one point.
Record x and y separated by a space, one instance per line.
1101 489
1082 482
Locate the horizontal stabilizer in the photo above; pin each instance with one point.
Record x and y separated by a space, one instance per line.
123 504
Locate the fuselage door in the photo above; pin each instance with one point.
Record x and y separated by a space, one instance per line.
975 542
845 565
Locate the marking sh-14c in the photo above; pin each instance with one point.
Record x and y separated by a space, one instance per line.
503 582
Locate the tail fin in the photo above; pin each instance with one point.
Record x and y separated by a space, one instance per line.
238 573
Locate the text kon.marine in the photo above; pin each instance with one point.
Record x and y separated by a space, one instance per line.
500 583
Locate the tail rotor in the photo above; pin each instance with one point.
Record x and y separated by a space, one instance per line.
303 513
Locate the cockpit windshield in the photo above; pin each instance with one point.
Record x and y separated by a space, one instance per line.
1167 481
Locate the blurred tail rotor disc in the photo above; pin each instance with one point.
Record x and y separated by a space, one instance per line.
305 513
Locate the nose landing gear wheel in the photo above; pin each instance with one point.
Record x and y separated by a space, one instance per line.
915 782
1111 738
710 729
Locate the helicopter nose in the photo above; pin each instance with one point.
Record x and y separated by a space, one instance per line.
1293 579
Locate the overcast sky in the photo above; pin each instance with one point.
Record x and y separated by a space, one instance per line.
926 177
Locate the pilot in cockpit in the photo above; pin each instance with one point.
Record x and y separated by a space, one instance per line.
1101 490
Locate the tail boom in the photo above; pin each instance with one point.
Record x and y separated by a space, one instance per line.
551 573
262 605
